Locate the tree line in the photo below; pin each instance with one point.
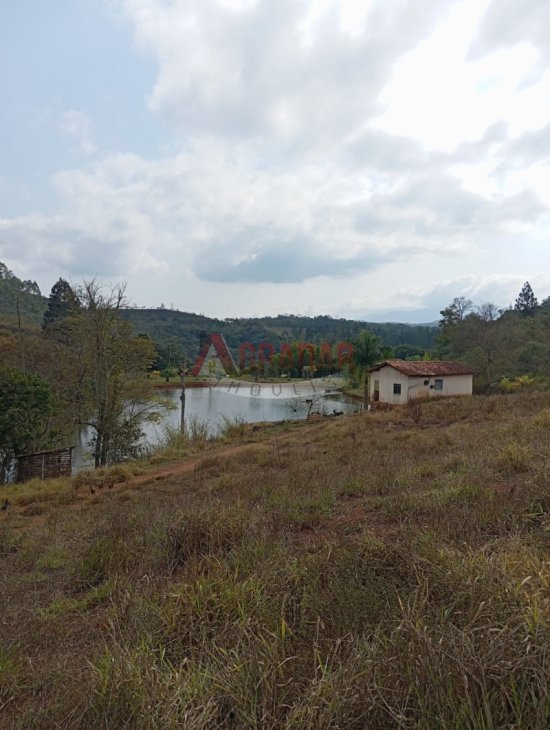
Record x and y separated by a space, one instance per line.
501 345
20 299
85 366
178 334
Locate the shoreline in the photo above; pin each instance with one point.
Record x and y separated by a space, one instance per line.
213 383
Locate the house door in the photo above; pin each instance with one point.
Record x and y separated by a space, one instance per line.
376 391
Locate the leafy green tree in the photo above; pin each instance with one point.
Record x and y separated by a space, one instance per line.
171 353
168 373
454 314
485 338
457 310
20 299
534 356
27 407
526 302
63 302
490 337
409 352
367 349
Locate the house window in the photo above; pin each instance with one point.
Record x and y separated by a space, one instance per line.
397 388
438 385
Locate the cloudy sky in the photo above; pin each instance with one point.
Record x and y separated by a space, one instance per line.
363 158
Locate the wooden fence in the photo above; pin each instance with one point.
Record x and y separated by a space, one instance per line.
45 464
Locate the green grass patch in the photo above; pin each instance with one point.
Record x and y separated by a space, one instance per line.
381 570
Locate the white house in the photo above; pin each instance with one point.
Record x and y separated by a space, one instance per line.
400 381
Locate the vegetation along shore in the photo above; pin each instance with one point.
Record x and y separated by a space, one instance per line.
386 569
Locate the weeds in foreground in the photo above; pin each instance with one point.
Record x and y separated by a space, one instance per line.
233 428
399 578
172 443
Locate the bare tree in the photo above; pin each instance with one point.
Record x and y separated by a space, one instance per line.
115 361
457 311
488 312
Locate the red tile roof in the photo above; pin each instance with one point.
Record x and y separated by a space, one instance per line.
426 368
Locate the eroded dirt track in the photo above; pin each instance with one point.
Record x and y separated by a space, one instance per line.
88 494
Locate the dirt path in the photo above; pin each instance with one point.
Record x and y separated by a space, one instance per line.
86 494
189 464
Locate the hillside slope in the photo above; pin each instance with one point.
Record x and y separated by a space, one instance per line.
383 570
20 298
181 332
178 334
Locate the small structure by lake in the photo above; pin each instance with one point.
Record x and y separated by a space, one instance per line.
399 381
45 464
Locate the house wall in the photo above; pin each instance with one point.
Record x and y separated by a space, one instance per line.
413 387
456 385
387 376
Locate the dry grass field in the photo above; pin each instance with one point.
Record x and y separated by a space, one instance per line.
387 570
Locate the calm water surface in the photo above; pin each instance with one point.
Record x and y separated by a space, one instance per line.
249 402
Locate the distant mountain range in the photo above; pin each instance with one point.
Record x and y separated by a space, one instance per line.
178 334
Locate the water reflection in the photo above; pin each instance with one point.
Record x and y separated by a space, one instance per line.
212 405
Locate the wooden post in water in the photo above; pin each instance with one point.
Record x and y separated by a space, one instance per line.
182 398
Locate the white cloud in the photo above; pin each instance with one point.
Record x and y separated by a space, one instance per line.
507 23
423 304
441 96
500 289
217 217
320 145
289 70
76 124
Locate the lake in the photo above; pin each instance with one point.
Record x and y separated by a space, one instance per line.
236 400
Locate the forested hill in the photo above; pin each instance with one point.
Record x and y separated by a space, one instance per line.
177 333
23 295
326 328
